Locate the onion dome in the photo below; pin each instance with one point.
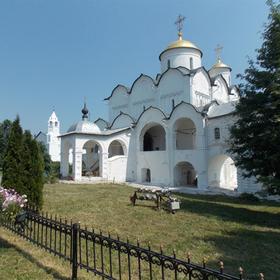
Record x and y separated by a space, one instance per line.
180 43
220 64
85 112
84 126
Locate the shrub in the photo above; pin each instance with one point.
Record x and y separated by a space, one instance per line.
249 197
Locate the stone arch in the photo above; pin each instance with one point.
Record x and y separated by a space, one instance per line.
185 175
222 172
92 159
187 109
153 137
117 148
184 134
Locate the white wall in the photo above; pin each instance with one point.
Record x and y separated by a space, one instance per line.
117 168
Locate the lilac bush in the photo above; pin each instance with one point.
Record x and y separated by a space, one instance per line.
11 202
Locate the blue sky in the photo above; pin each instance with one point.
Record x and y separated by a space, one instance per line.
53 53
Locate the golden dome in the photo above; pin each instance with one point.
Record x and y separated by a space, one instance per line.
180 43
220 64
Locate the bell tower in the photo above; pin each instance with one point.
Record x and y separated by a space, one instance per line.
53 141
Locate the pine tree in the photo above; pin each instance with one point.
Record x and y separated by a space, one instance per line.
5 128
46 158
255 137
12 172
32 167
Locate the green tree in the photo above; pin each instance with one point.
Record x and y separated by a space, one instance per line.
12 172
5 128
255 137
46 158
33 168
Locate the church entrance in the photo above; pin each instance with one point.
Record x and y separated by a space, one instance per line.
91 159
185 175
222 172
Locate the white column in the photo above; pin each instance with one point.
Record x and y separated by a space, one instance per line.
202 180
170 153
104 165
64 163
77 164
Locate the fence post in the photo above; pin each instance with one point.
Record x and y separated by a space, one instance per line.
75 228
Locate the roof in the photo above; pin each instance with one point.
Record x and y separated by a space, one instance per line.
101 133
84 126
222 109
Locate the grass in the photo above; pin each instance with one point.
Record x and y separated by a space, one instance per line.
240 233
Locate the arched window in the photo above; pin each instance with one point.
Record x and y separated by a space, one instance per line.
56 123
115 149
185 133
154 139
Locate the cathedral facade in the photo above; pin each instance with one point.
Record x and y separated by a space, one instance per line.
170 130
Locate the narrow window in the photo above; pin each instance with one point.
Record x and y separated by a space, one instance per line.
96 149
168 63
191 63
217 133
56 123
173 104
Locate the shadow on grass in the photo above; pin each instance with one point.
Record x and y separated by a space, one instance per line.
255 251
7 245
240 214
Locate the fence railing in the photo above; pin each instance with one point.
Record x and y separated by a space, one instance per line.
107 257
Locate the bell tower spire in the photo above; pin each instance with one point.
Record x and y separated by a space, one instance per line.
53 141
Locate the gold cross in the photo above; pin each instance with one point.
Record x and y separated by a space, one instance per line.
218 51
179 22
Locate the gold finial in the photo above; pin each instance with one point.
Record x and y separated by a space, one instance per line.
218 51
179 22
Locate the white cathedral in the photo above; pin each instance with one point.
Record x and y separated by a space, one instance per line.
170 130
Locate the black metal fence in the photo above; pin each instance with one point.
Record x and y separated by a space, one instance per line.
106 257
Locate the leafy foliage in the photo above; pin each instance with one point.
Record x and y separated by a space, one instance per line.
255 137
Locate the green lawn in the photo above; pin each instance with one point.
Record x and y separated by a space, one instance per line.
216 227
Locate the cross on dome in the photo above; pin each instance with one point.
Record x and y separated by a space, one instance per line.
180 22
